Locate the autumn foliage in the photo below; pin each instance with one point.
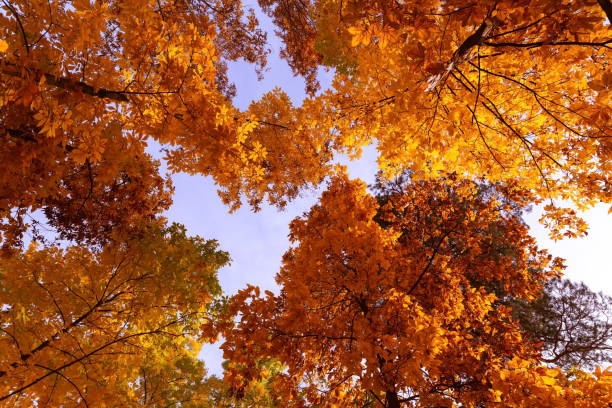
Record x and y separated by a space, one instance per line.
428 294
516 90
392 312
71 317
80 87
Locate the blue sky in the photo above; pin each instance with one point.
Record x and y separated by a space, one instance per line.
257 241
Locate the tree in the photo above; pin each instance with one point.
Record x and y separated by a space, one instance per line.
119 327
513 90
569 321
84 86
391 312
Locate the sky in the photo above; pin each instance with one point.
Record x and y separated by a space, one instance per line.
257 241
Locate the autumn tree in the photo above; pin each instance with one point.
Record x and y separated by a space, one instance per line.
118 327
390 312
85 86
514 90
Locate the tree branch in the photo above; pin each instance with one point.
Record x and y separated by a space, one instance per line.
23 34
606 6
543 43
68 83
462 53
85 356
430 262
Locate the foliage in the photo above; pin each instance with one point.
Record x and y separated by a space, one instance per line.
516 91
86 85
391 312
297 31
259 392
495 88
71 317
432 294
82 201
568 321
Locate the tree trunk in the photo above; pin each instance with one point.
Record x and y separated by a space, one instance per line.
391 399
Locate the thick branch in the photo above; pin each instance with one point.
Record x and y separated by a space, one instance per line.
391 399
463 52
21 134
606 5
67 83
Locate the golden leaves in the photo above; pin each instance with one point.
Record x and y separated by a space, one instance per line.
524 99
522 384
134 306
103 76
360 35
563 223
392 298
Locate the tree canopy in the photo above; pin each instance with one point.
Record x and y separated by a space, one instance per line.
94 328
432 293
391 313
567 320
516 90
